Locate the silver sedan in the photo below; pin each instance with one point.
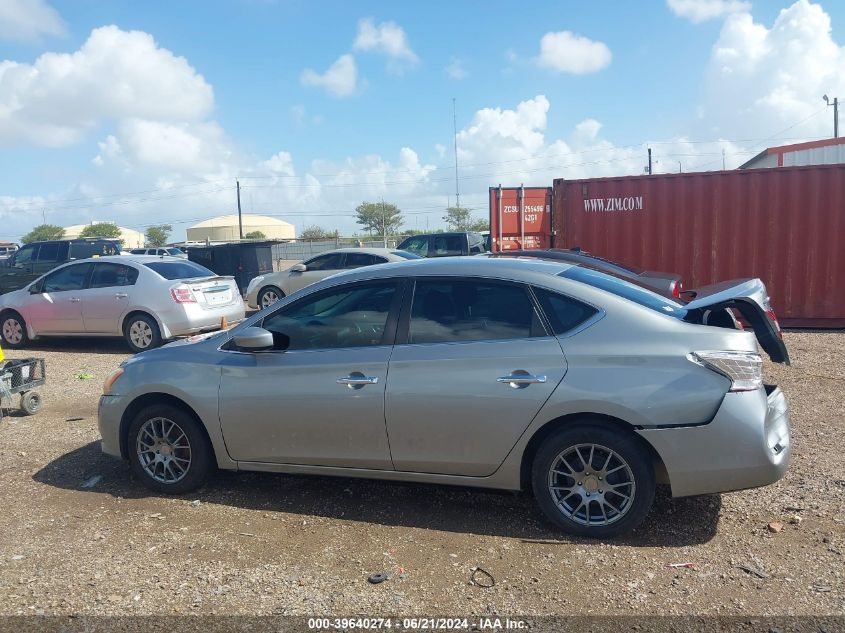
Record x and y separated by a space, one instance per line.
265 290
499 373
145 299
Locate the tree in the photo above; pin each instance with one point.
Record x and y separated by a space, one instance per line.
107 230
44 232
255 235
379 217
315 232
479 226
458 218
157 234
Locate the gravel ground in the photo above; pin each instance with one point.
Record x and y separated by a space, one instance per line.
274 544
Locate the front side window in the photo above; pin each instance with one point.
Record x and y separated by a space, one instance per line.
109 275
352 316
68 278
332 261
26 255
138 251
417 245
450 311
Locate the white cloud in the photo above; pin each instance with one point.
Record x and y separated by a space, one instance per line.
702 10
340 80
280 164
570 53
28 20
455 68
388 38
761 81
115 75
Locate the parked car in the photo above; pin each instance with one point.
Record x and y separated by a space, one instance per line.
147 300
265 290
489 372
7 249
669 284
161 251
444 244
33 260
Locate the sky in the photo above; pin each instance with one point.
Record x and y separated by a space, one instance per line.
148 112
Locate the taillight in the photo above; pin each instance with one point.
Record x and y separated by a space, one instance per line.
677 288
182 294
744 369
771 314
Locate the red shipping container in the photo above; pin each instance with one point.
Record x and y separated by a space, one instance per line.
520 217
784 225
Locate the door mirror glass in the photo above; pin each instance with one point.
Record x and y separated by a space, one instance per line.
299 268
35 288
254 339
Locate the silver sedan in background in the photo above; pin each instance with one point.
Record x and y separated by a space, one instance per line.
493 372
266 290
145 299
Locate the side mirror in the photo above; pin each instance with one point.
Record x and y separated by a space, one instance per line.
254 339
298 268
35 289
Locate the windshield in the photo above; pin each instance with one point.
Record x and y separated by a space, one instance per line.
179 270
406 254
625 289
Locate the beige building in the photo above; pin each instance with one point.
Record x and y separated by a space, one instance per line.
225 228
130 237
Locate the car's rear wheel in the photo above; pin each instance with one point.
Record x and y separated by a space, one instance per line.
269 295
593 481
168 451
13 330
141 332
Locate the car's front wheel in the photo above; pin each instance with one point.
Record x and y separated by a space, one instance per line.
593 481
13 330
168 451
269 295
141 333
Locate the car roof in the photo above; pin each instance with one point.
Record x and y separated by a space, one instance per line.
527 270
122 259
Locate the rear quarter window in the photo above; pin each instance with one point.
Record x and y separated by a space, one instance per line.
564 313
179 270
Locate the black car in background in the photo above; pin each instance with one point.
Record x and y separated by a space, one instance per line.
38 258
668 284
443 244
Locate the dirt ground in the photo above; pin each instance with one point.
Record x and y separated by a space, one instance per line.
274 544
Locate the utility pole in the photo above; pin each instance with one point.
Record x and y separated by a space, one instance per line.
240 217
455 138
44 215
383 223
649 161
835 105
723 159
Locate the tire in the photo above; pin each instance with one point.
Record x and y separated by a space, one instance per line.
184 458
31 402
267 294
13 330
141 333
576 493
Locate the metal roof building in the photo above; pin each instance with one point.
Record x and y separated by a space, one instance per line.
829 151
130 237
225 228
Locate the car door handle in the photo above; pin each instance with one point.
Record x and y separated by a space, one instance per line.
74 299
121 295
515 380
358 380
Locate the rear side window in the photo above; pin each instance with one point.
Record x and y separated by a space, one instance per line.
49 252
179 270
450 311
109 275
564 313
357 260
626 290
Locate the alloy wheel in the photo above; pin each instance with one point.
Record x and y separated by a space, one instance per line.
164 450
591 484
269 297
